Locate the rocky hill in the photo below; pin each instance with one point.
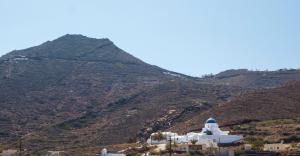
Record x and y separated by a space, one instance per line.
254 79
269 114
83 91
260 105
76 92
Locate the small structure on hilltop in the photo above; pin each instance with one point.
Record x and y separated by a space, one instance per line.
279 147
104 152
56 153
211 133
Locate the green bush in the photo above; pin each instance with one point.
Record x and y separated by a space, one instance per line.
195 153
172 145
277 122
194 142
239 153
158 136
257 143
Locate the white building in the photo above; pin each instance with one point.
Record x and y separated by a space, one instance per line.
211 133
56 153
105 153
277 147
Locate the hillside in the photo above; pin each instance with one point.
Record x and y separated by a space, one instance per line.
260 105
83 91
76 92
254 79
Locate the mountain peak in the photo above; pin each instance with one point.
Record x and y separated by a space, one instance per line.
77 47
73 35
78 37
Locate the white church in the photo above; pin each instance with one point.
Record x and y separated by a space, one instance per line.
211 133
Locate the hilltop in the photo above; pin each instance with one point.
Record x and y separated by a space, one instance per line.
254 79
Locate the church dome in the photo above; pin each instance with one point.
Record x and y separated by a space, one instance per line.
211 120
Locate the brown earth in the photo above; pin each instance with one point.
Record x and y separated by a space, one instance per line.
265 104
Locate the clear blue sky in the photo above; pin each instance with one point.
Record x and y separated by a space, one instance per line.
193 37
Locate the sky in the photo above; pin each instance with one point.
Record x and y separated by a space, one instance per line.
192 37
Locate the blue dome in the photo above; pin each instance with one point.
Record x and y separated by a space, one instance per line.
211 120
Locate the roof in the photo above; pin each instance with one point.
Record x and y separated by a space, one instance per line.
211 120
